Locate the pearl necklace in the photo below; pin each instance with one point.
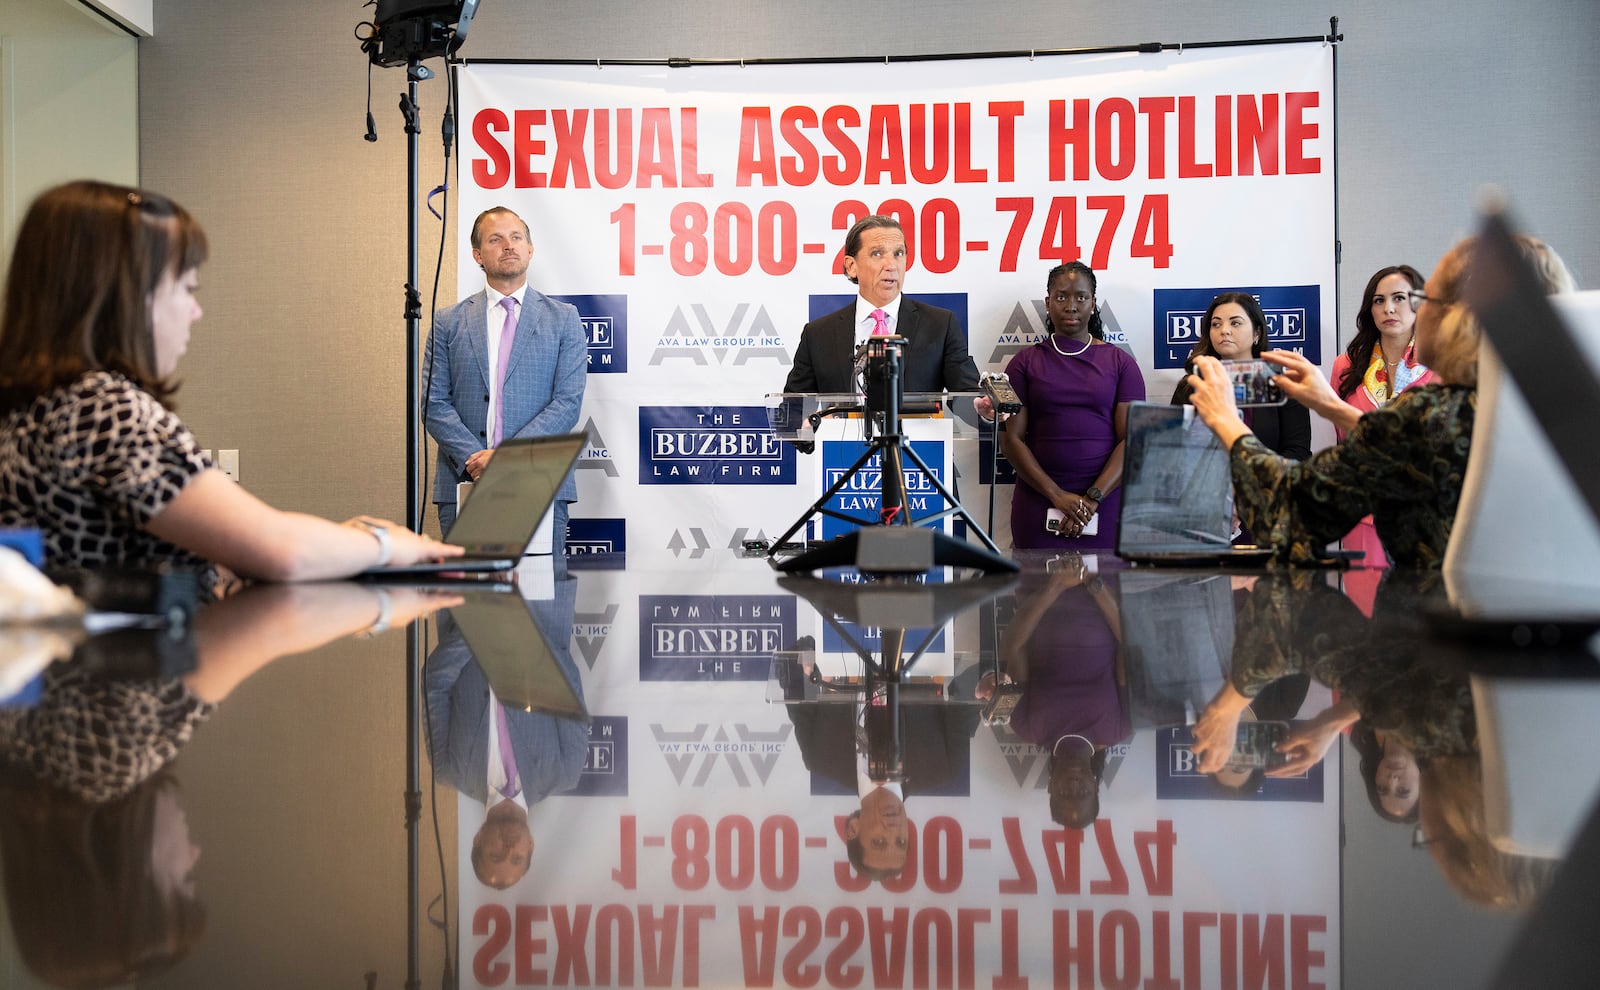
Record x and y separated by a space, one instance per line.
1069 353
1071 735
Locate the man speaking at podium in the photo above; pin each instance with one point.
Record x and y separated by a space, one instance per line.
935 357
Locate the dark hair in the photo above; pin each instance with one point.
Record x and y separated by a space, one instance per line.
86 908
1097 328
1370 750
1252 310
852 240
77 299
476 237
854 852
1060 812
1367 335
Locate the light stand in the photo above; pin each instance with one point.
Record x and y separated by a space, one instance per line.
891 544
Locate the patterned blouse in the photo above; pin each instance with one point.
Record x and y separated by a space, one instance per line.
1402 464
98 739
91 464
1294 622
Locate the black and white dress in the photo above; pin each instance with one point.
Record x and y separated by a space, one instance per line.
90 464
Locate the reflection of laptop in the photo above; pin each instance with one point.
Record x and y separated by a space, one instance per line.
1177 492
508 502
517 660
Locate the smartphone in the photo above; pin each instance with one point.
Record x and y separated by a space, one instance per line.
1256 745
1252 382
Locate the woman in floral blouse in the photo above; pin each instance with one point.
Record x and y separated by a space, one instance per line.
1402 464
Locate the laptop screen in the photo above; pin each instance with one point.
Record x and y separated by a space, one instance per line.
513 494
1177 492
522 668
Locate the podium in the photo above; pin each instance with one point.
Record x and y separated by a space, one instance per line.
841 436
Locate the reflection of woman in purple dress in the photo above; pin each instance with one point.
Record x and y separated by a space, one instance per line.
1062 644
1066 444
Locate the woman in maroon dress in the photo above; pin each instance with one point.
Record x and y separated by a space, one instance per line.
1067 442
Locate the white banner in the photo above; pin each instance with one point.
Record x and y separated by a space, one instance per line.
696 216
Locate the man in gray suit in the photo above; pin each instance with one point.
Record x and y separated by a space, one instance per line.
505 362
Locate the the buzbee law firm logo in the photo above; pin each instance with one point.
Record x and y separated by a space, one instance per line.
605 324
707 334
711 445
1293 312
712 637
861 495
597 536
596 456
747 754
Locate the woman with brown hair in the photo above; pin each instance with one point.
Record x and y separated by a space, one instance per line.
98 306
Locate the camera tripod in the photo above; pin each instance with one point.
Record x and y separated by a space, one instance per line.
872 549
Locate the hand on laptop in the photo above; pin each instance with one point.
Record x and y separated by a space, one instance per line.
405 547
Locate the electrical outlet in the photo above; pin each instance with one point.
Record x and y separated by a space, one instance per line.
228 461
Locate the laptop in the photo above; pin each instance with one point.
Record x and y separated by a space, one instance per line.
507 504
518 661
1177 493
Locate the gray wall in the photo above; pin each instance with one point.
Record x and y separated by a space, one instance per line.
251 114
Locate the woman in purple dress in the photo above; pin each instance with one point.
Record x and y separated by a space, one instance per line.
1066 444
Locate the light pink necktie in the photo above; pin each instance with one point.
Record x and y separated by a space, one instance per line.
508 758
880 323
508 334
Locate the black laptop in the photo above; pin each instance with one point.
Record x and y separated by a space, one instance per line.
1177 493
508 502
522 668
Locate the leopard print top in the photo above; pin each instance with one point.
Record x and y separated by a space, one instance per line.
90 464
98 739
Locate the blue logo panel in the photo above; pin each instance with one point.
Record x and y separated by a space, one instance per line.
1178 780
863 493
711 445
605 324
712 637
1293 312
605 768
598 544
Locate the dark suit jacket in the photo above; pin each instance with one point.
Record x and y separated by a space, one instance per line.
550 751
935 742
544 384
936 356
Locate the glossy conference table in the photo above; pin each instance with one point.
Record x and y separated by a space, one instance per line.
688 736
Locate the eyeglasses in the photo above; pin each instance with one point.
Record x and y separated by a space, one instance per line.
1418 297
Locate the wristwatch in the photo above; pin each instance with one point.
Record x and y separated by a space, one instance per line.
381 534
1095 495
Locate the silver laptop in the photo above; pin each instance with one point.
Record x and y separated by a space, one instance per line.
1177 492
507 504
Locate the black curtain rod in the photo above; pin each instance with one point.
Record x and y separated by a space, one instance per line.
1150 47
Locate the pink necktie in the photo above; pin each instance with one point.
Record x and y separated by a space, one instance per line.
508 758
508 333
880 323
